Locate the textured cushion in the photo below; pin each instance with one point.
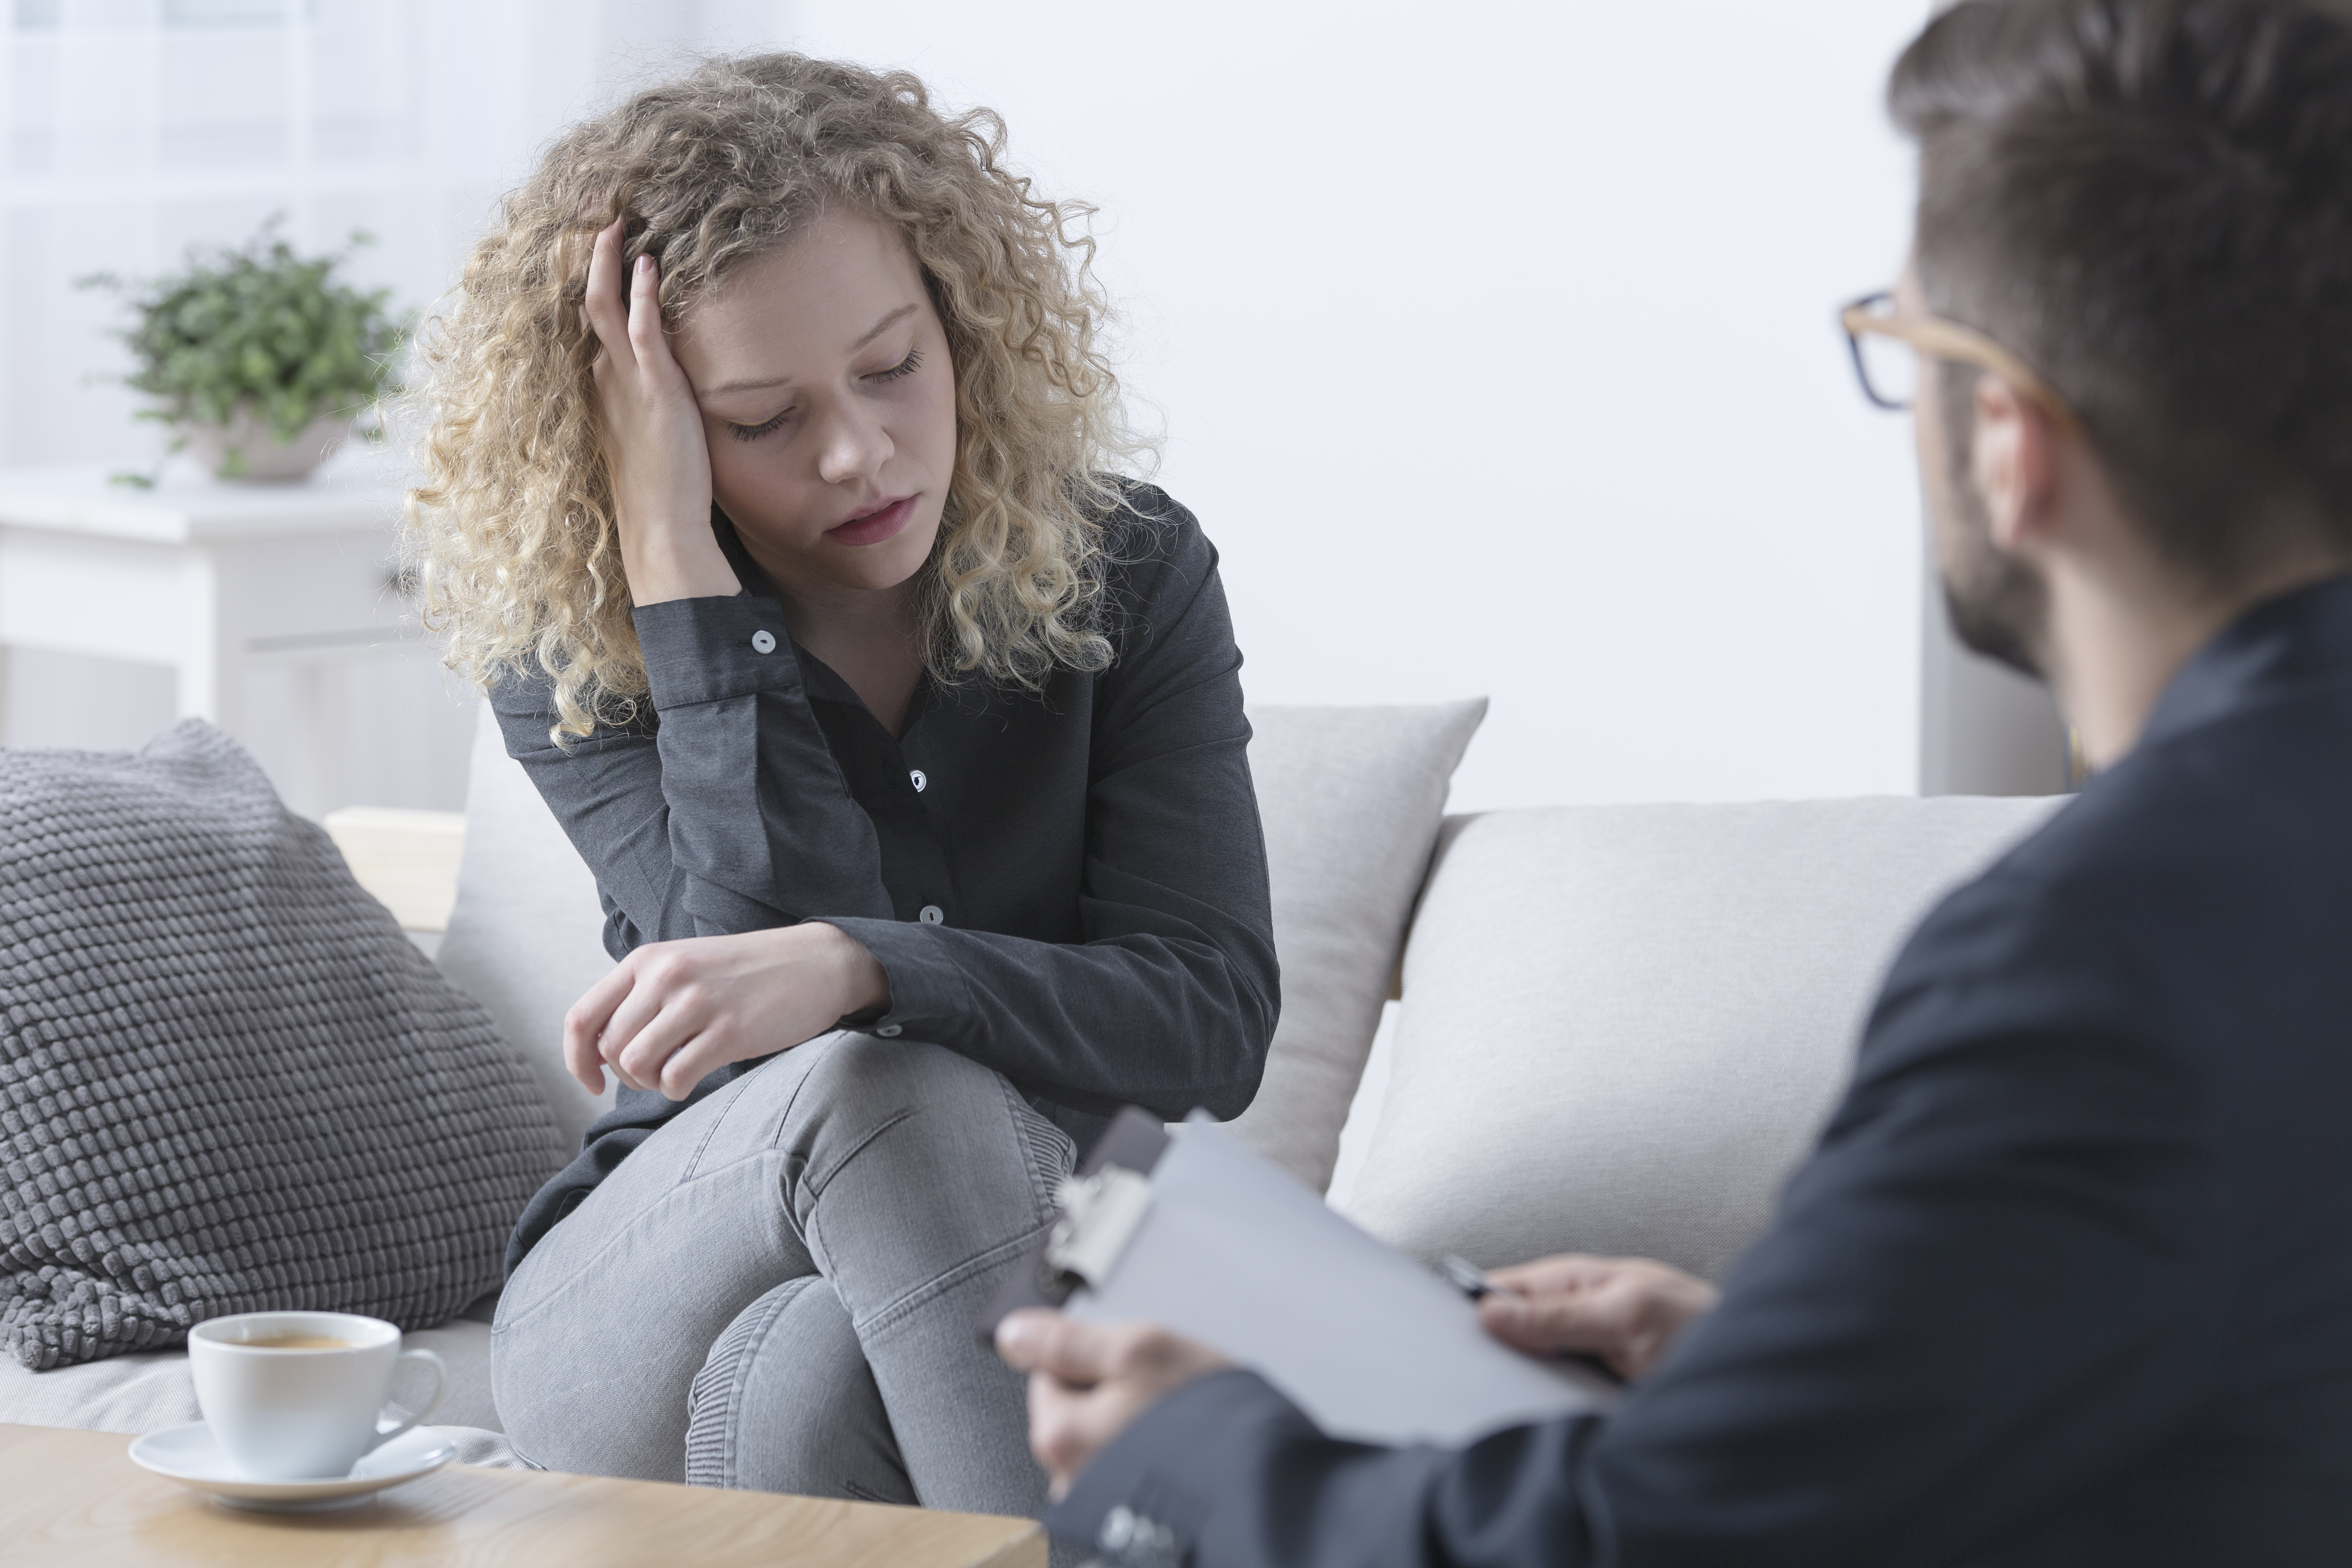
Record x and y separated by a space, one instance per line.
527 933
1350 799
227 1081
1623 1026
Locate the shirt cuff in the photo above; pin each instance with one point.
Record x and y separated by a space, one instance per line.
706 650
928 997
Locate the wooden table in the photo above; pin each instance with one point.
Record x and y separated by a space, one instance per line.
76 1497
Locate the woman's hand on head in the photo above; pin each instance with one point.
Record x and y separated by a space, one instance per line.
672 1012
652 435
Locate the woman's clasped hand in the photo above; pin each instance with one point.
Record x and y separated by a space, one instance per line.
672 1012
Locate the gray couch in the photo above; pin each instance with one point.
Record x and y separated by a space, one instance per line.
1619 1026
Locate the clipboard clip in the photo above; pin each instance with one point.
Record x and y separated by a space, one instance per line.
1099 1217
1131 1146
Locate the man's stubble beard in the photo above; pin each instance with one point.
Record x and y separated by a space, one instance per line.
1998 605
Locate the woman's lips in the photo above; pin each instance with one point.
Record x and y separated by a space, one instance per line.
875 526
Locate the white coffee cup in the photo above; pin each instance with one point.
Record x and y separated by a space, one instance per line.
290 1412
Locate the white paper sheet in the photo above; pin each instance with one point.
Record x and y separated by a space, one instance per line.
1237 1254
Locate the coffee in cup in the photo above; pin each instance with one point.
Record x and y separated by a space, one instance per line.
300 1395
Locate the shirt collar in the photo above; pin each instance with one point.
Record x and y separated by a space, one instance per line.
2301 638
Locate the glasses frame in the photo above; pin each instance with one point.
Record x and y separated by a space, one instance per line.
1939 339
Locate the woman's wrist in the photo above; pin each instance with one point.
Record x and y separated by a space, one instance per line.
676 561
865 983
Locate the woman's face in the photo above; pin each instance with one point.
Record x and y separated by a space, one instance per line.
828 402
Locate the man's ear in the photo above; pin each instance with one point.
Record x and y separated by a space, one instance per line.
2014 458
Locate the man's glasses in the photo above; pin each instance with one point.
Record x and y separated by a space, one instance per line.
1888 347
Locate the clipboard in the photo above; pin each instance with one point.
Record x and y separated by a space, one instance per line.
1189 1228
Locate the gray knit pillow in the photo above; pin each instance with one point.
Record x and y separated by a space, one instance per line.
227 1082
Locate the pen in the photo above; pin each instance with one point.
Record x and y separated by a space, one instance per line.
1472 1282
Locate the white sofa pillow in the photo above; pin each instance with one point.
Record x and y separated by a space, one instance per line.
1623 1026
1350 799
527 933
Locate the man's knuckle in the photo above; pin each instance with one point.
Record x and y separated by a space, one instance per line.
1055 1344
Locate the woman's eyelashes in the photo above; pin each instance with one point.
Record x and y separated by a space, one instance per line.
903 368
753 432
899 371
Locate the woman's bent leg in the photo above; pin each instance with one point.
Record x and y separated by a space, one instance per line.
911 1177
786 1403
917 1189
602 1328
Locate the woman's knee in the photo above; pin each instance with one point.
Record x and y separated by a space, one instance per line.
607 1321
785 1403
907 1101
865 1078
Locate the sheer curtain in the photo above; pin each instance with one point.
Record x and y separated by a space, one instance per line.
131 129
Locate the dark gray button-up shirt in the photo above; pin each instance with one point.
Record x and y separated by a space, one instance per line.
1067 886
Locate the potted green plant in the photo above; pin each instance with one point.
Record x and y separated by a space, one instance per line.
258 358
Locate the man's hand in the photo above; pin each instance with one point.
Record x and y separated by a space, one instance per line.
672 1011
1089 1382
1626 1311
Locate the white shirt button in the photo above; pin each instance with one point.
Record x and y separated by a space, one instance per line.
890 1031
933 915
920 781
1117 1528
763 642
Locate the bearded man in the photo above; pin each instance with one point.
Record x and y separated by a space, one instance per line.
2068 1279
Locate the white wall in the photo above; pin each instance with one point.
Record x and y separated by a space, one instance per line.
1493 342
1983 728
1493 346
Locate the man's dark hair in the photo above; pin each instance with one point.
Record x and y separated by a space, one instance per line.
2151 202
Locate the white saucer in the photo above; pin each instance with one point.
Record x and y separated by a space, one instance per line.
189 1456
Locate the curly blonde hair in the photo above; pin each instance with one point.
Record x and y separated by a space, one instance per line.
512 533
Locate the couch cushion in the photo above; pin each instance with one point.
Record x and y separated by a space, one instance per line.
227 1081
151 1390
1623 1026
1350 799
526 936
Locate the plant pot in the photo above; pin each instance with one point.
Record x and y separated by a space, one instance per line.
258 455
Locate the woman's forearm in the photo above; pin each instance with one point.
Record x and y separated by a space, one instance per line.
732 816
1171 1022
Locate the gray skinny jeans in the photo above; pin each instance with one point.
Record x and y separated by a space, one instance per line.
778 1290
